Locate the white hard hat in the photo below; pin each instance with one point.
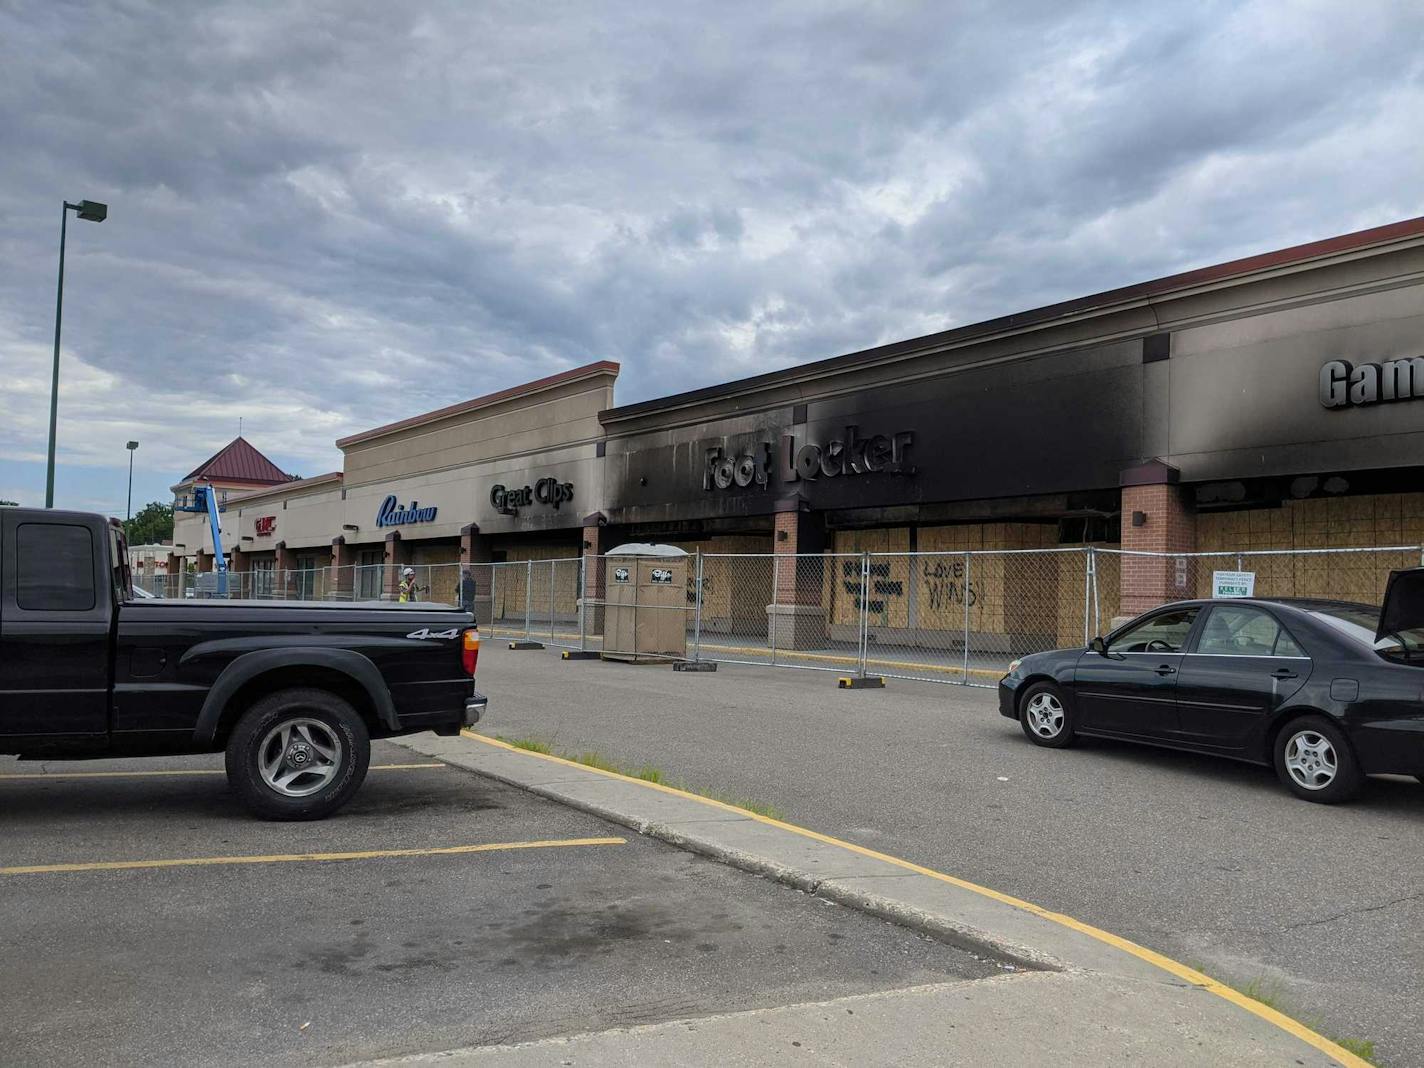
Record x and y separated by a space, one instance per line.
408 571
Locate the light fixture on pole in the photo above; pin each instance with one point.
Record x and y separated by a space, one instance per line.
89 211
128 510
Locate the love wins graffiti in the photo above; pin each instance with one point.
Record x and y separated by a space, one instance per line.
945 584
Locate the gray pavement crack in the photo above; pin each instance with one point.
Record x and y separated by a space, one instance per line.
1354 912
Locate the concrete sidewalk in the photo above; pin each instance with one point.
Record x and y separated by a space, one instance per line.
1078 996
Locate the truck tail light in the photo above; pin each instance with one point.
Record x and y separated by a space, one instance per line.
470 650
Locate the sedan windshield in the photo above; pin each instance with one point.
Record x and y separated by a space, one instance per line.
1360 624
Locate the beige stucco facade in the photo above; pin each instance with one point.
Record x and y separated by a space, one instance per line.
439 471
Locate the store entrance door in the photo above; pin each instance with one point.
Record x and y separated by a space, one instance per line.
370 575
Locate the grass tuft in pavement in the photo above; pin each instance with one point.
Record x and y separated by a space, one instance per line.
1363 1048
534 745
648 773
1269 994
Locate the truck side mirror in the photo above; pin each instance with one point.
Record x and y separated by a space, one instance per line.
1099 646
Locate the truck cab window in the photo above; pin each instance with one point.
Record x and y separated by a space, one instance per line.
55 568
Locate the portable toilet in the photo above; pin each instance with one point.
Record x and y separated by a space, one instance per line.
646 615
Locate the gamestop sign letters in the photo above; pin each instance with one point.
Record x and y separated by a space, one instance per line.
1345 385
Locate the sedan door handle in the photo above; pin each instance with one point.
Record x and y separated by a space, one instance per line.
1284 673
1166 669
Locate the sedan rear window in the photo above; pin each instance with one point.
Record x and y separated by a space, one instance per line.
1361 623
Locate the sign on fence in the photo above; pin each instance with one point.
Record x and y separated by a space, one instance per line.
1233 583
1181 579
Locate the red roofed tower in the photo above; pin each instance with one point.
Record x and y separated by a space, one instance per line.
236 467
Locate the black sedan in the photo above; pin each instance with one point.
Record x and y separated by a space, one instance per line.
1326 691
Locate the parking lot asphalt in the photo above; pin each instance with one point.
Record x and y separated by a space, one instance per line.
467 914
1319 908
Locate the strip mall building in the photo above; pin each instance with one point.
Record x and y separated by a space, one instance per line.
1272 402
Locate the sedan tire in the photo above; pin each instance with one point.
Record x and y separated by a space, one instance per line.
1045 716
298 754
1314 760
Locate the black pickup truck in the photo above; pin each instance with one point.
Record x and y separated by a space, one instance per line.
292 692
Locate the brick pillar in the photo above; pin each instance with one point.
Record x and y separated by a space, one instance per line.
237 567
796 619
1168 525
343 570
283 561
475 553
396 554
205 562
173 581
595 577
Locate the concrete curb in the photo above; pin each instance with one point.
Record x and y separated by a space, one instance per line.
983 922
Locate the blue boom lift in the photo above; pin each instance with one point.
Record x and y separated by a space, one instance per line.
205 499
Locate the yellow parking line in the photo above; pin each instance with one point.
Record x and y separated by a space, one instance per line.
1167 964
172 772
285 858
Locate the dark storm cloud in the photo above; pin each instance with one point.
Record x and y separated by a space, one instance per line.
326 216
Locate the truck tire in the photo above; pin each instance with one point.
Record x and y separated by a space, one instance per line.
298 754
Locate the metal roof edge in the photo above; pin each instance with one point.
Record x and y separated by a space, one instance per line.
574 374
1143 294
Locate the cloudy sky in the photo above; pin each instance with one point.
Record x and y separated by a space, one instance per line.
325 216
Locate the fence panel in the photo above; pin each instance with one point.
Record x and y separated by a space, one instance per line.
562 613
535 599
729 621
550 591
777 609
509 602
962 616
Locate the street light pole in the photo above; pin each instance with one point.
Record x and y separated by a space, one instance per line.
91 211
128 509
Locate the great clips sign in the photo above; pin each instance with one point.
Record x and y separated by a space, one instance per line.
507 500
394 514
793 460
1346 385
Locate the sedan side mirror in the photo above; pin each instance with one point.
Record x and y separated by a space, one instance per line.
1099 646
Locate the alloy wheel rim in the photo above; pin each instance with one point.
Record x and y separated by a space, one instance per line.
1311 760
1045 715
298 757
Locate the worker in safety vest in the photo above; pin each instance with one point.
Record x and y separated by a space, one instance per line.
407 585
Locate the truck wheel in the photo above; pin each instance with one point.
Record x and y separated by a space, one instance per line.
298 755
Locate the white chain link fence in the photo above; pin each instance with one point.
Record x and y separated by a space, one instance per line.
956 617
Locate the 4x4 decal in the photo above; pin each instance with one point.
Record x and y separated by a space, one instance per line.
426 632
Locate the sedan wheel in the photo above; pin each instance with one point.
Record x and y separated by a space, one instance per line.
1045 716
1311 760
1314 759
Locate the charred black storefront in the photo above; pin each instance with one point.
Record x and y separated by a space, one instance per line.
1264 403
